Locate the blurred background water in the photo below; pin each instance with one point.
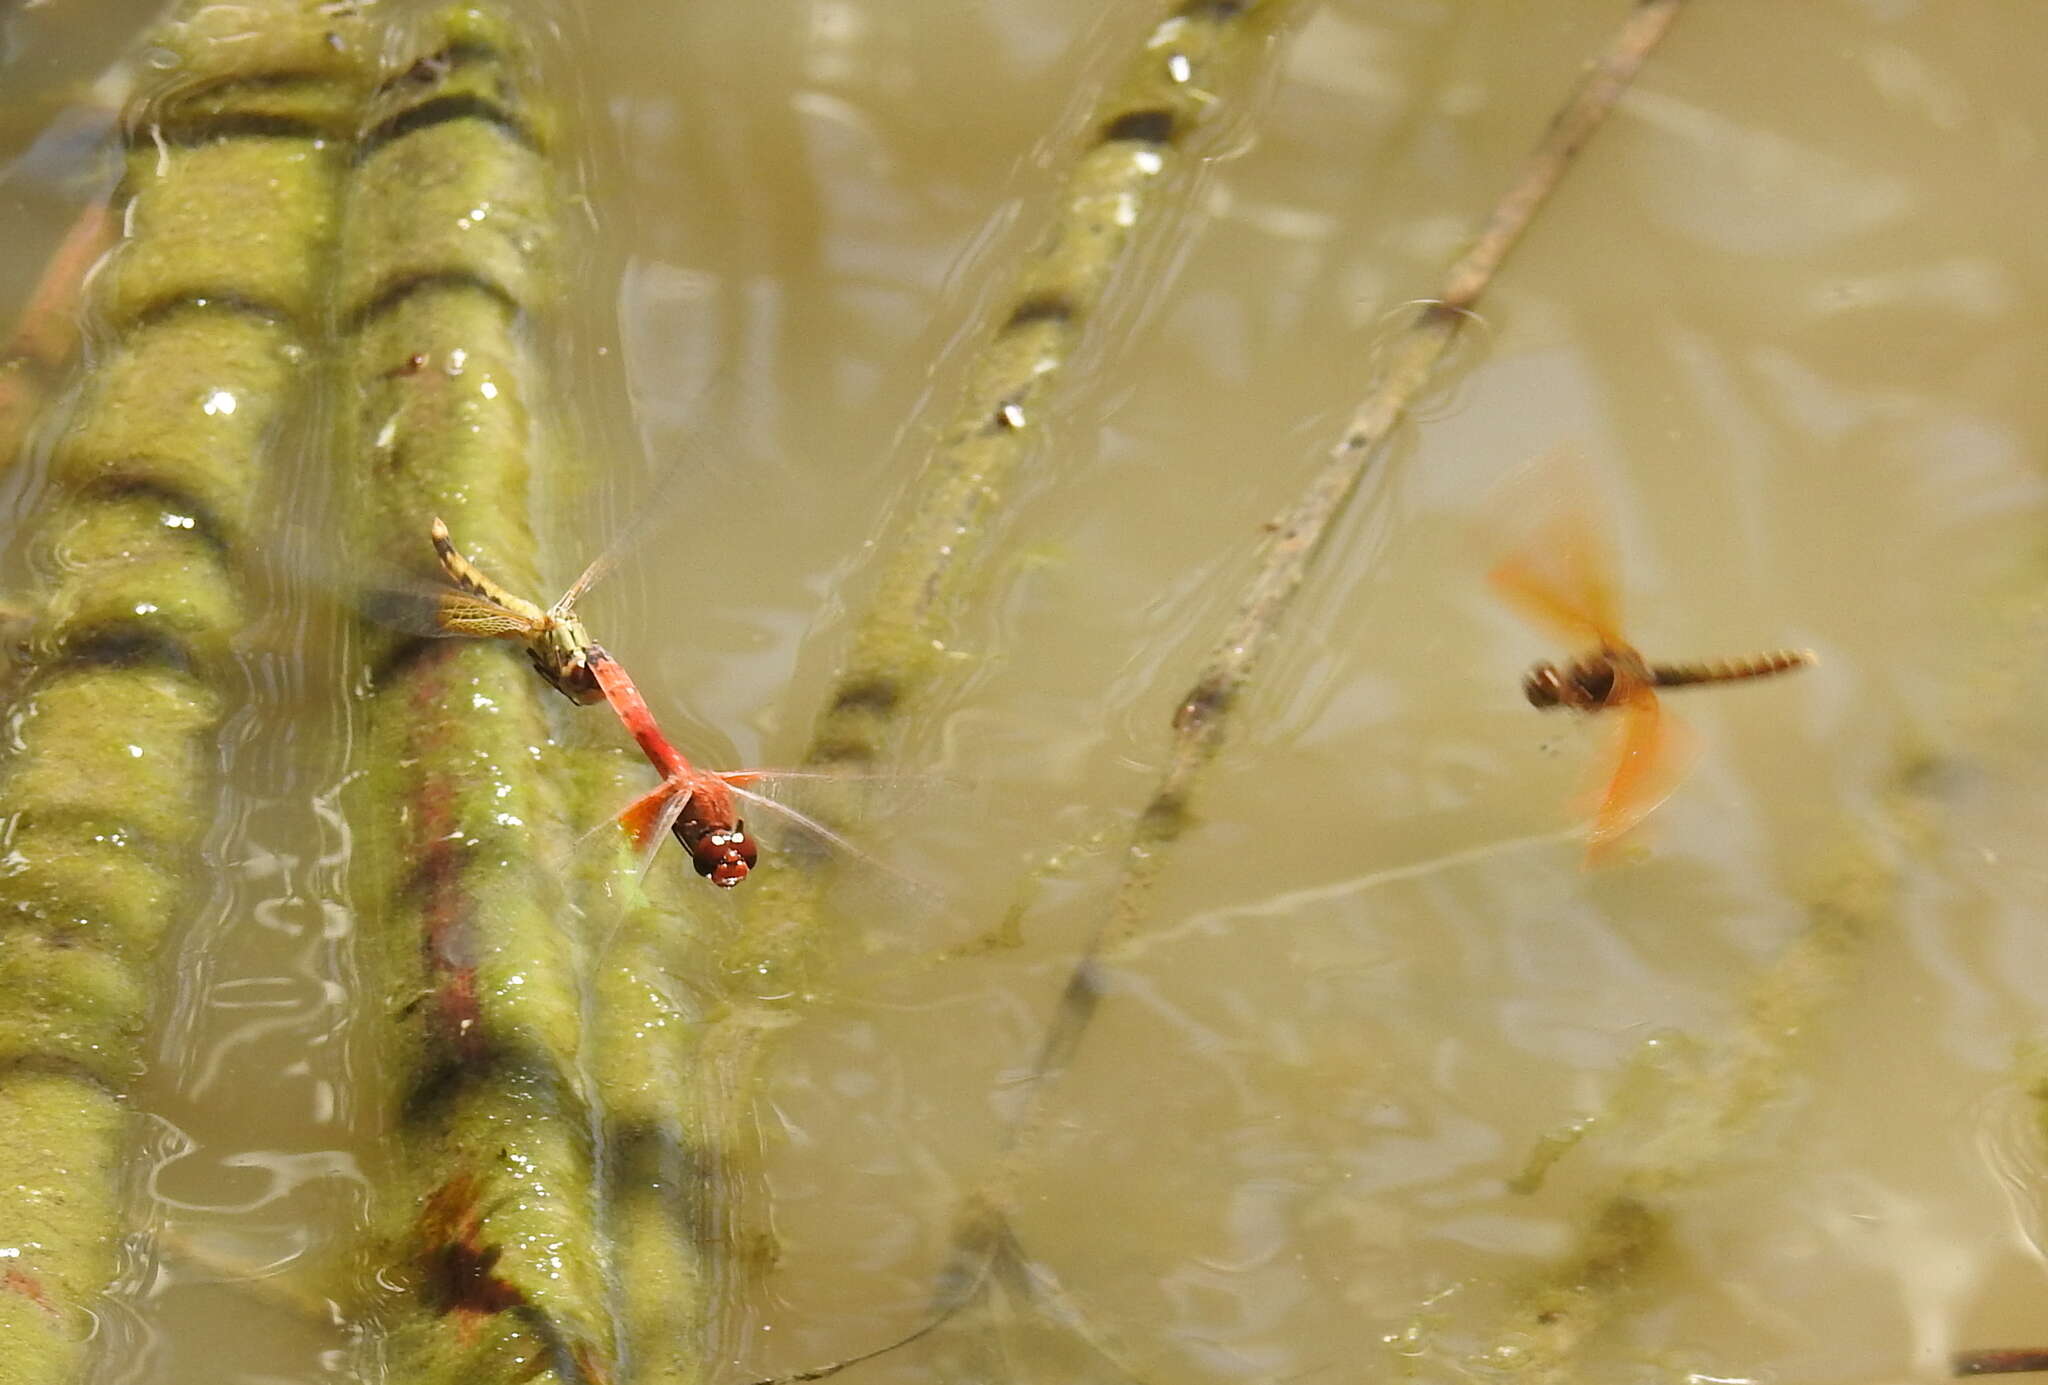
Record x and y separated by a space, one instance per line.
1787 304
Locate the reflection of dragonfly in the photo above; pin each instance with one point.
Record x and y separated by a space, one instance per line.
1559 573
700 806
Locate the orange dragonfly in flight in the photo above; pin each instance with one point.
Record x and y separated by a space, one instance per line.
1559 574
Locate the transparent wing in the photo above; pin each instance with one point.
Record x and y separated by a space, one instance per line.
882 917
419 608
600 567
648 836
391 596
648 818
472 616
1558 568
804 825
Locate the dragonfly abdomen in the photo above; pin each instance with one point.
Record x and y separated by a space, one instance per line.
1731 670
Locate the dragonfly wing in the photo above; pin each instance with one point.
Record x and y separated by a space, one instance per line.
476 618
803 822
600 568
649 819
894 885
1651 752
1559 569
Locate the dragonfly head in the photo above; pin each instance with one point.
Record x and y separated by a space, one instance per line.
723 855
561 654
1584 685
1543 685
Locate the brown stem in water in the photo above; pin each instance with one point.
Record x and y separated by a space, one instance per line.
1999 1361
1204 715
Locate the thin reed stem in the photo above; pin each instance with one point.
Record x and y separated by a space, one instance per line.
1198 65
1205 714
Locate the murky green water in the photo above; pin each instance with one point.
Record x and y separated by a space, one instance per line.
1788 304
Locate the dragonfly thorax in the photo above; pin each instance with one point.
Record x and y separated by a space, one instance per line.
1585 684
560 651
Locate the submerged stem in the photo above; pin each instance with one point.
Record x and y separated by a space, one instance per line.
489 1233
142 534
1141 141
1205 714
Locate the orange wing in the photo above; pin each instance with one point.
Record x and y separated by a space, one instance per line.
647 819
1650 754
1559 571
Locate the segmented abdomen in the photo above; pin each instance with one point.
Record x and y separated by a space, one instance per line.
1731 670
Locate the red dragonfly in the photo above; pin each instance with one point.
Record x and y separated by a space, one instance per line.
1559 574
699 806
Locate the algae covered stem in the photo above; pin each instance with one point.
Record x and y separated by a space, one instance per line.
235 154
1197 67
696 804
489 1227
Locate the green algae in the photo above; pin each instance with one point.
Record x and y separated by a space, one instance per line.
139 539
488 1227
165 415
652 996
238 220
1143 134
62 1208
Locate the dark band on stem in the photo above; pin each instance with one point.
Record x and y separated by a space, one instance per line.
120 645
405 286
200 299
1050 305
399 661
1151 125
443 110
218 127
878 693
443 1081
139 481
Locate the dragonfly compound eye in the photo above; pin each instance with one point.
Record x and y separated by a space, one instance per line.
1544 686
725 857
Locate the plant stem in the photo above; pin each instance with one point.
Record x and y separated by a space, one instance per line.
232 174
